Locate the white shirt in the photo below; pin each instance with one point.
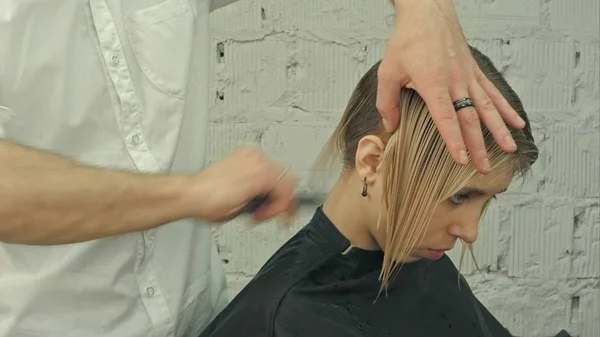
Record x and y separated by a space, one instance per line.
114 83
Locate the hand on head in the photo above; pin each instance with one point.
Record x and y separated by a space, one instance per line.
229 184
428 52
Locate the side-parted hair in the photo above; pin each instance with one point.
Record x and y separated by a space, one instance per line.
417 168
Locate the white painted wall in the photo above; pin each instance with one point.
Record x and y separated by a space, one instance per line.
287 70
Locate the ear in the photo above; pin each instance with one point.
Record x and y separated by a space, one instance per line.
369 153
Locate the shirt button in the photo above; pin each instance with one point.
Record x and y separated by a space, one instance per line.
135 139
115 59
150 291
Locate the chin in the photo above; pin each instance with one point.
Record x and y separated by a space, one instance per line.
411 258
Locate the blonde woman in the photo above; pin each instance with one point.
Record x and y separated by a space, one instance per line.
400 201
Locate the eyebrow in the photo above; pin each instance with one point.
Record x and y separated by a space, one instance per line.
477 191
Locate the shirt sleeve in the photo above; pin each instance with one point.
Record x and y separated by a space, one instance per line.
5 115
216 4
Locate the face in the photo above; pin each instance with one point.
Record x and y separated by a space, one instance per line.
458 217
455 218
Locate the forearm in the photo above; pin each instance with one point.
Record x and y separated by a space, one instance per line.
421 15
402 6
46 199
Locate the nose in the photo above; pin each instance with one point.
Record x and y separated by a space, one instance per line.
465 229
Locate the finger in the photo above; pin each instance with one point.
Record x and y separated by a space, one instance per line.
292 209
442 112
225 219
507 112
280 199
290 214
471 130
388 98
491 118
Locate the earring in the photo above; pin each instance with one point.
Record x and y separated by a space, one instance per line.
364 191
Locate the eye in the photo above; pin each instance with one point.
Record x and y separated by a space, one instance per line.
459 198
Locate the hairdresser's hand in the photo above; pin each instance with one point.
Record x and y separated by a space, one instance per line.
221 190
428 52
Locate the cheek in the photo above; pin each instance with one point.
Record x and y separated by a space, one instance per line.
375 207
376 192
375 195
440 221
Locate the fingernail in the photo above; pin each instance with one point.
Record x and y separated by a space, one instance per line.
510 142
520 121
486 165
464 160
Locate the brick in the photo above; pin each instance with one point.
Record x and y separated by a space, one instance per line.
248 17
542 72
573 163
586 248
532 308
587 90
299 146
478 14
246 247
223 138
535 179
493 48
510 10
487 247
590 311
251 74
324 76
338 16
584 310
236 282
374 53
541 242
575 14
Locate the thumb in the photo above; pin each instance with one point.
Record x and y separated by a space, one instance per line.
389 84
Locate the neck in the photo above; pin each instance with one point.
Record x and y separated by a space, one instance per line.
348 210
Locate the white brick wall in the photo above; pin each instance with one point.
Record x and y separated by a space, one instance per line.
285 74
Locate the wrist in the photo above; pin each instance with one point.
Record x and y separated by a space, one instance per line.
402 6
194 195
175 189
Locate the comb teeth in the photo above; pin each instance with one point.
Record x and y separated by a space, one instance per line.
302 200
254 204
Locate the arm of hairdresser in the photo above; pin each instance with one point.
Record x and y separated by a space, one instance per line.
428 52
47 199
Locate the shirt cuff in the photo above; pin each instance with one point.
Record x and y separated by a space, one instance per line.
5 115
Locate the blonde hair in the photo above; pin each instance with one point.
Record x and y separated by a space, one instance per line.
416 162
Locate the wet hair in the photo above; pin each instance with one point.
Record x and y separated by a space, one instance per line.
418 170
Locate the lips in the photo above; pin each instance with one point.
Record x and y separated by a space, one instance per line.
435 254
441 249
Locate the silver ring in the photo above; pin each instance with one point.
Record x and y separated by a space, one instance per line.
462 103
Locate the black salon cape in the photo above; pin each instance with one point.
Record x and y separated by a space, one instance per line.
309 289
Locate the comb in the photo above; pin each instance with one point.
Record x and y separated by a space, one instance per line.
302 199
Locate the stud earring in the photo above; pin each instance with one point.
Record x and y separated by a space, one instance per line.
364 190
